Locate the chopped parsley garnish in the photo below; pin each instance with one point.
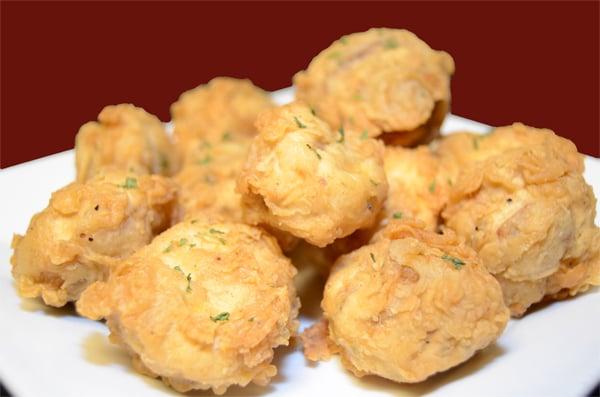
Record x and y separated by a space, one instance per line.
390 43
193 221
397 215
130 183
372 257
314 150
214 234
342 137
432 187
251 319
164 162
449 182
177 268
207 159
226 136
343 40
373 182
299 123
476 143
189 283
357 97
364 135
182 242
455 261
314 113
168 249
220 317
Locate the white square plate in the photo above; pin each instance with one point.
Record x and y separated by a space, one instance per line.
554 351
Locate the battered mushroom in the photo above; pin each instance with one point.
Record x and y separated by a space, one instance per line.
85 229
383 81
410 304
309 180
125 138
203 306
207 181
223 109
523 205
418 185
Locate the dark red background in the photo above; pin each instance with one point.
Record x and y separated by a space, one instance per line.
62 62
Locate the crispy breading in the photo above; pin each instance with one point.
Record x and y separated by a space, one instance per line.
521 202
208 179
85 229
382 81
125 138
224 108
409 304
418 185
203 306
304 178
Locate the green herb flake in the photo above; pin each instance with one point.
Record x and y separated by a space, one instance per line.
226 136
390 44
194 221
364 135
182 242
343 40
449 182
189 283
372 257
177 268
299 123
251 319
312 110
357 97
168 249
373 182
397 215
215 231
342 137
207 159
314 151
455 261
334 55
164 162
476 143
130 183
432 187
220 317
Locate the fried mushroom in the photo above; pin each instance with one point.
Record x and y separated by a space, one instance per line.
410 304
125 138
522 203
384 82
85 229
304 178
203 306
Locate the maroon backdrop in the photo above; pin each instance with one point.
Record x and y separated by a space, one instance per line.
62 62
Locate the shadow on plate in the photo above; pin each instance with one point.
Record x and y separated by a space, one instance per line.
545 303
462 371
98 350
37 305
310 283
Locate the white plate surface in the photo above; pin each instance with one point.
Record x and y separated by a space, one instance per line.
554 351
